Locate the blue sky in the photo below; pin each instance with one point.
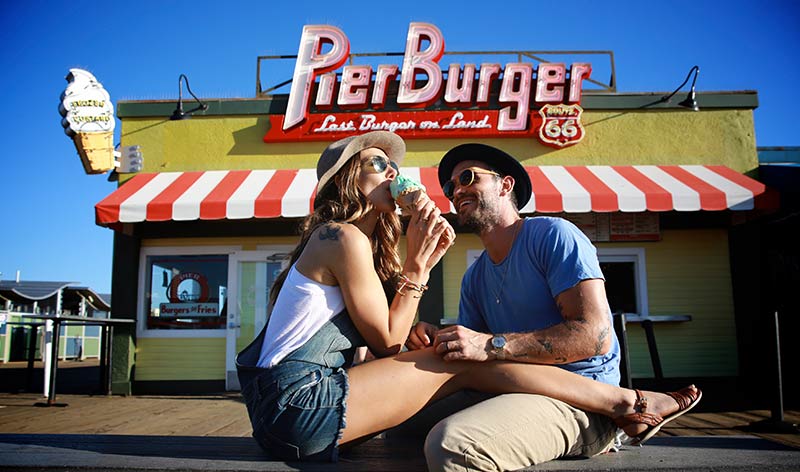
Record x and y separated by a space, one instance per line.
137 50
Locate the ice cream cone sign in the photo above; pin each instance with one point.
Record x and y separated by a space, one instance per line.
89 120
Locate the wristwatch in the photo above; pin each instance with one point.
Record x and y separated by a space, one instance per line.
499 346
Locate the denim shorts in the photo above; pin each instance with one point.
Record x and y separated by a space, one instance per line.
297 410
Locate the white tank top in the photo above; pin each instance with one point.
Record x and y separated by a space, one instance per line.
301 309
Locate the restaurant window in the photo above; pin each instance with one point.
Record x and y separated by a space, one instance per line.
186 292
626 279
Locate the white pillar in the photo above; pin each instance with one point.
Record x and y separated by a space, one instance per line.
63 339
83 312
45 349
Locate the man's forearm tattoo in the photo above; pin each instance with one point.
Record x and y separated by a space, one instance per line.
576 324
530 348
598 348
547 345
330 231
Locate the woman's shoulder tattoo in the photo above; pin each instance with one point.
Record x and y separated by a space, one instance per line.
330 232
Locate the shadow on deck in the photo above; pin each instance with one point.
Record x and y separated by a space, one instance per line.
63 452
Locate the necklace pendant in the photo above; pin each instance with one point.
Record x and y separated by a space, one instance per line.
497 300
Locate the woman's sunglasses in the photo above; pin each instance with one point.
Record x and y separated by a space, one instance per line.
465 179
381 163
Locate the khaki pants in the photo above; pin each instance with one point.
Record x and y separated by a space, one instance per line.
508 432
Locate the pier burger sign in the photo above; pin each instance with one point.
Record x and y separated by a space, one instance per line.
541 102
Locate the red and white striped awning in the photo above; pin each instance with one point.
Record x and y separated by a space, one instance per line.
243 194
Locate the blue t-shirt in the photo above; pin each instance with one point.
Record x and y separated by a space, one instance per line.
549 256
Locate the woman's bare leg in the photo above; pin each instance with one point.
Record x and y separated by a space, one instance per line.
386 392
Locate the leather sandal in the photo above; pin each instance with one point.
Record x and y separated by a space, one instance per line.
686 399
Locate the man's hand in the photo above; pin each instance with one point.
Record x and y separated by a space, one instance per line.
457 343
421 336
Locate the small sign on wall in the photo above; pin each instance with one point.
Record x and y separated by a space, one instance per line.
609 227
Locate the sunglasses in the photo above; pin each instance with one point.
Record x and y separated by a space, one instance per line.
465 179
381 163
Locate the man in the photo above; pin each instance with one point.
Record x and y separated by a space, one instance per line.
536 294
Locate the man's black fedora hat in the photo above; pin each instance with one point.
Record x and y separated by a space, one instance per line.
496 159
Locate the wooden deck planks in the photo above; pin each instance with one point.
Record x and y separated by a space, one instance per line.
225 415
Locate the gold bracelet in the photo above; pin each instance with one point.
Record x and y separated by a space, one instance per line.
404 284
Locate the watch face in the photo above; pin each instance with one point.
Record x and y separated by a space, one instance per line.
498 342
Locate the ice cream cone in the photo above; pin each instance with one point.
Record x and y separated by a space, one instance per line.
96 151
407 193
408 201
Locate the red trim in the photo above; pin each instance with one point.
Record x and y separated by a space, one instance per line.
160 208
107 211
429 177
435 128
739 179
711 198
603 198
656 197
548 198
268 202
765 197
215 205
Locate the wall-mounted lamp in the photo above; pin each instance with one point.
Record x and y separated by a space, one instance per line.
179 114
691 99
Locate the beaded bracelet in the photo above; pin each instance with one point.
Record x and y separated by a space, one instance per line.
404 284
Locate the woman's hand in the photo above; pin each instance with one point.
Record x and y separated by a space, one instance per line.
424 237
421 336
446 241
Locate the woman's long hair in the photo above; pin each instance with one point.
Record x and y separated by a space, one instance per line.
341 201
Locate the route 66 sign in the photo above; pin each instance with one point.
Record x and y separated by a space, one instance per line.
561 125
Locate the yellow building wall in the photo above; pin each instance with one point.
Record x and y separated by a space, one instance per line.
688 273
180 359
723 137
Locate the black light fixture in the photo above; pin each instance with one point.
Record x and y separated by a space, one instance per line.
179 114
691 99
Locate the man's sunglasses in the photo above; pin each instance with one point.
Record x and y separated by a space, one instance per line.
381 163
465 179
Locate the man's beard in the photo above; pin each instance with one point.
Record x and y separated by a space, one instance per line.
486 216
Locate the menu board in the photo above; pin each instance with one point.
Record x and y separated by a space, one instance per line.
603 227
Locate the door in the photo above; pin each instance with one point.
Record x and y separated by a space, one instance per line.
250 276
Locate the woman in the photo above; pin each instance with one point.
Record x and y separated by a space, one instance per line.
346 287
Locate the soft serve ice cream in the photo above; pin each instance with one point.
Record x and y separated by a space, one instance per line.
407 192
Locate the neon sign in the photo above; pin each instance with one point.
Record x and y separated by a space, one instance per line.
461 96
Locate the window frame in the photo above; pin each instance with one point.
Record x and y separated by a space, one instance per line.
637 256
141 326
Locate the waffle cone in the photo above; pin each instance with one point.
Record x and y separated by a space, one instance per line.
96 151
407 201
